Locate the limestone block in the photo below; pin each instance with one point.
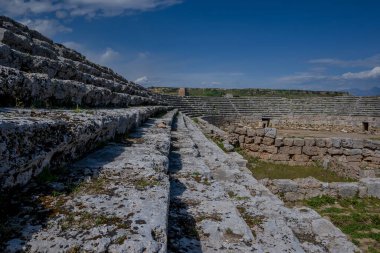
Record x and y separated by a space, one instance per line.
367 152
290 150
241 139
227 146
269 149
299 142
260 132
357 144
311 151
270 132
268 141
309 141
253 147
293 196
328 142
265 156
352 152
231 129
241 130
372 144
322 151
336 142
354 158
320 142
301 158
347 143
278 142
288 141
251 132
335 151
249 140
258 140
373 186
309 182
285 185
367 173
372 159
363 191
280 157
347 190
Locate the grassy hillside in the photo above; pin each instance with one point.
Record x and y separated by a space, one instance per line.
215 92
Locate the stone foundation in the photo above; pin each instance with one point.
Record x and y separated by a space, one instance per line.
305 188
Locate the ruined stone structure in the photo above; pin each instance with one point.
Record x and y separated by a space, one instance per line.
117 170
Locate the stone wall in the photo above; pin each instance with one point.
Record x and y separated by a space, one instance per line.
348 157
305 188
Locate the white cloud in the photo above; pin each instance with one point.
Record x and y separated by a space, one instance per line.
142 80
48 27
370 74
300 78
371 61
88 8
109 55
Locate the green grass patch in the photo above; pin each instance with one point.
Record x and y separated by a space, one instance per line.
263 169
356 217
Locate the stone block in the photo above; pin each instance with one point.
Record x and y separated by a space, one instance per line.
285 185
254 147
278 142
301 158
373 186
290 150
367 152
357 144
372 159
354 158
320 142
260 132
328 143
280 157
336 142
270 132
241 139
249 140
372 144
299 142
258 140
269 149
347 143
352 151
227 146
288 141
265 156
367 173
241 130
268 141
293 196
335 151
311 151
322 151
309 141
251 132
347 190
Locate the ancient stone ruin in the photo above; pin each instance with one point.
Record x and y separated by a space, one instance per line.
91 162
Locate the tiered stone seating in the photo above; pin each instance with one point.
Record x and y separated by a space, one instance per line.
276 106
34 71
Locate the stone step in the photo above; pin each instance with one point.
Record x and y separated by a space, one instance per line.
119 203
31 140
32 89
64 69
201 217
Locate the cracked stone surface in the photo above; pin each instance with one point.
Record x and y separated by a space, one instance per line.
119 202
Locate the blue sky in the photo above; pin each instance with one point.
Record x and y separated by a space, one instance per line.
319 45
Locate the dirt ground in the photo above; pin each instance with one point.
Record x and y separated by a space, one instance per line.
324 134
